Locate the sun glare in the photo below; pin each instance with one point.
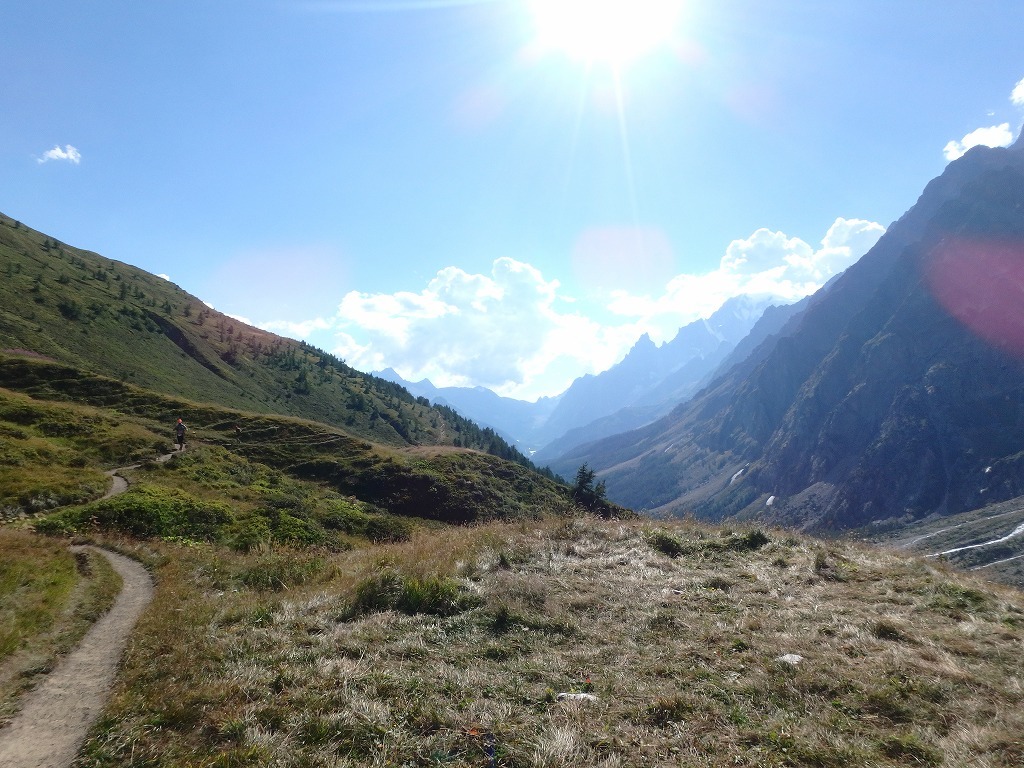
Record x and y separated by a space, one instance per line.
605 31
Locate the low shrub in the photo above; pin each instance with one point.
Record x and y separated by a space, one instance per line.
248 534
666 543
279 571
144 512
359 519
746 542
394 591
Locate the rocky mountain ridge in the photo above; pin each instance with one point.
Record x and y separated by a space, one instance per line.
886 399
647 383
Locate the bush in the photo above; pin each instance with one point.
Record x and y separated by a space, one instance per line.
248 534
351 518
747 542
388 528
145 512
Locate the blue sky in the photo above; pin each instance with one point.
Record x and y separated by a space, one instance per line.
452 189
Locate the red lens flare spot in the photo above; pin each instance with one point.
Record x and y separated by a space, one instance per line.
980 282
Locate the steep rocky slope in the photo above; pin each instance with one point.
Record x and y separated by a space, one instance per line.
899 393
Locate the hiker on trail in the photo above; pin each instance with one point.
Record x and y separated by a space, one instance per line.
179 434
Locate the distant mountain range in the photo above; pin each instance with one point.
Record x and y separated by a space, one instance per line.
895 394
645 385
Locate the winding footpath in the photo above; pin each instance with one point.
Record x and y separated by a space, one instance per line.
56 716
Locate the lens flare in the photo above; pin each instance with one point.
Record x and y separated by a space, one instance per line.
981 283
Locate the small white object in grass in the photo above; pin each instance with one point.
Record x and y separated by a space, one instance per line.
576 697
790 658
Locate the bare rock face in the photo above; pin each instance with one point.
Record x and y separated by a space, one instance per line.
886 399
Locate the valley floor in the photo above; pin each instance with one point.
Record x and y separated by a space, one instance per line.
988 541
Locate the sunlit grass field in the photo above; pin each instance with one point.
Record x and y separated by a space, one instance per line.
470 646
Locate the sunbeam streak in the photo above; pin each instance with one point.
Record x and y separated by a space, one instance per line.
627 159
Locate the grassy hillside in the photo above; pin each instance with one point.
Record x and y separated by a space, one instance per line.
315 606
699 647
58 434
101 317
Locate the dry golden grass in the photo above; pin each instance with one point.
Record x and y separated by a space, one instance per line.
901 662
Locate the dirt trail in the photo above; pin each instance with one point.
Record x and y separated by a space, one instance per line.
119 485
56 716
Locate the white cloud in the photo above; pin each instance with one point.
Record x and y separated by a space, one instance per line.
162 276
993 136
763 250
766 263
68 154
502 330
517 333
297 330
1017 96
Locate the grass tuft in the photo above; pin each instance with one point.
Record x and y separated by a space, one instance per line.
667 544
909 750
394 591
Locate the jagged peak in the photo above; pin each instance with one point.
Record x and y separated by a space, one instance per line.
643 342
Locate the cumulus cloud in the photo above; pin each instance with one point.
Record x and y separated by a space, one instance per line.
766 263
763 250
500 330
993 136
1017 96
68 154
301 329
519 334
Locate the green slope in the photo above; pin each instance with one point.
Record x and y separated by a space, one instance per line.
109 318
64 426
129 353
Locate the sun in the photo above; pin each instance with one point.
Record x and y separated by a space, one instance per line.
612 32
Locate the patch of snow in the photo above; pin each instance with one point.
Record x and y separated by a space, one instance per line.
716 335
